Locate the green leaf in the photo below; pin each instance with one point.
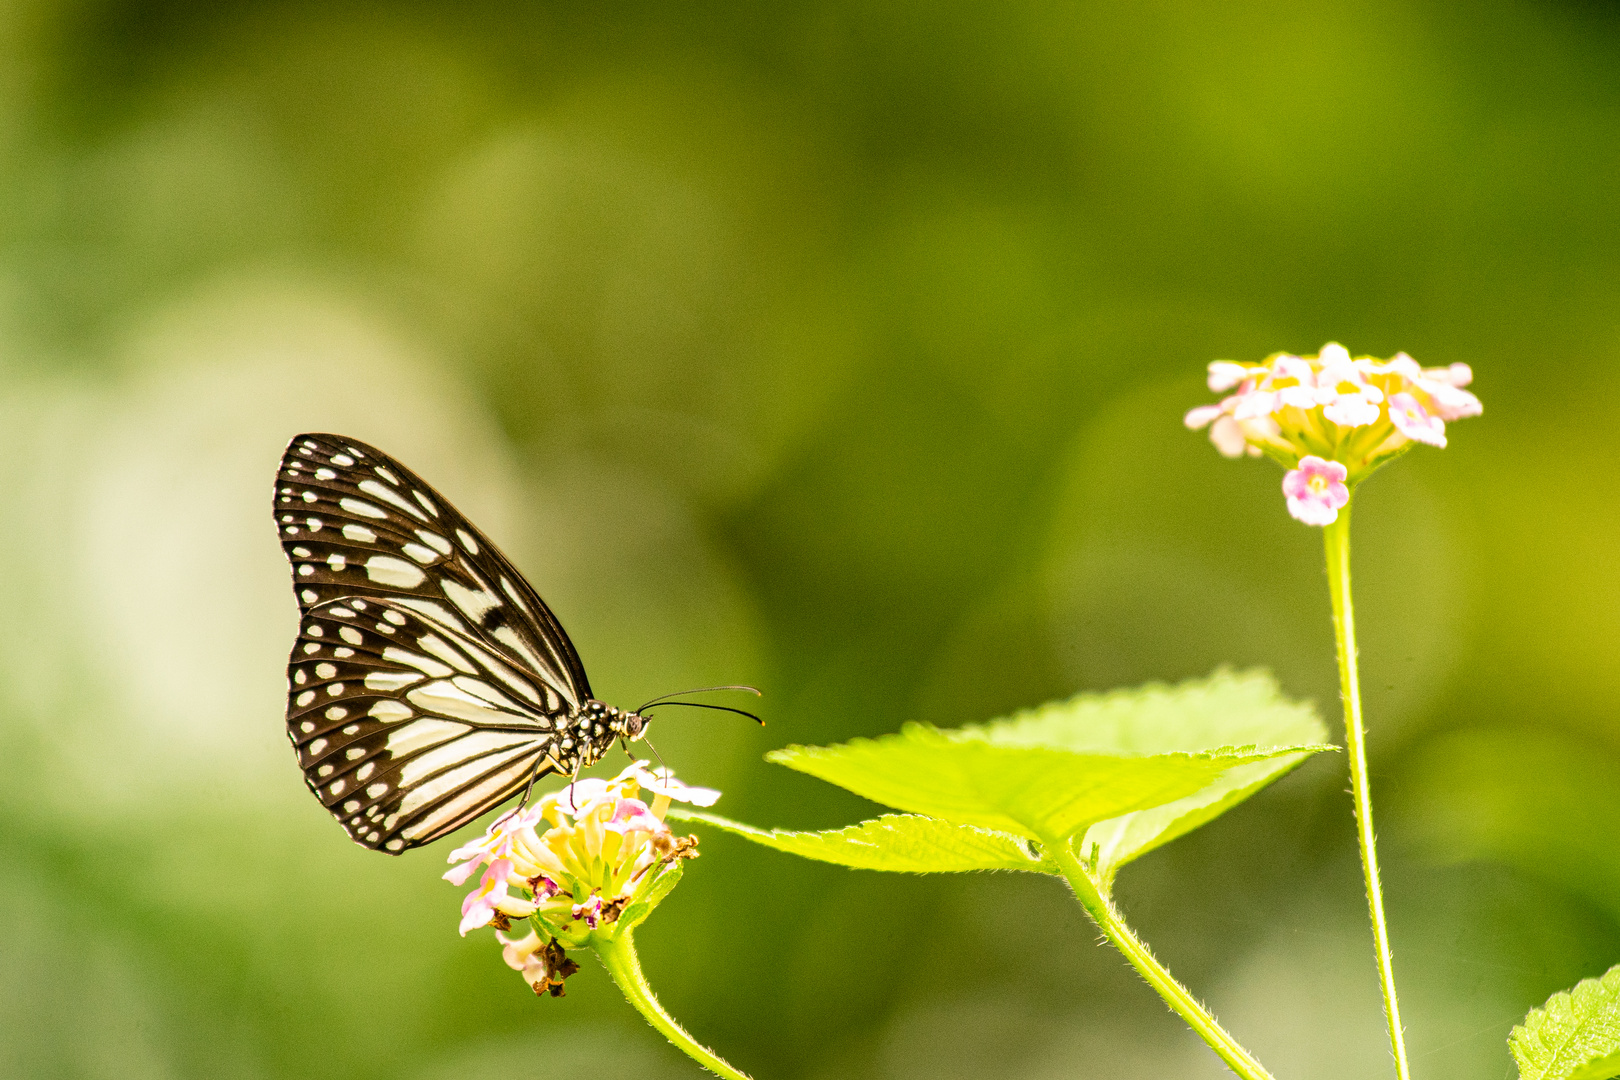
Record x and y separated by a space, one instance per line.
907 843
1226 709
1575 1035
649 895
1031 790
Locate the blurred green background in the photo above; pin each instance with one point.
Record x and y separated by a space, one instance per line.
841 348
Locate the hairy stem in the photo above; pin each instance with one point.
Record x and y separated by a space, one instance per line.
1336 539
1177 996
618 955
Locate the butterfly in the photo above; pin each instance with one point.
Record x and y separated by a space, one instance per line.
429 682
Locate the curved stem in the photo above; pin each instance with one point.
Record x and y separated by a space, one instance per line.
618 954
1336 539
1177 996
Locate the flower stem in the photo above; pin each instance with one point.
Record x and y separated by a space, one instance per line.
1178 997
1336 539
618 953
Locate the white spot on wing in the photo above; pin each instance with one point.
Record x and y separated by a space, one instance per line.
473 602
396 573
434 540
437 612
364 509
389 496
351 635
390 680
390 711
467 541
419 553
476 744
359 533
447 699
444 652
420 663
342 459
420 735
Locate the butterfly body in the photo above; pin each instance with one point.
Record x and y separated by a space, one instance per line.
429 682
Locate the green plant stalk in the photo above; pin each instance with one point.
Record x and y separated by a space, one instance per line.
1336 540
618 953
1178 997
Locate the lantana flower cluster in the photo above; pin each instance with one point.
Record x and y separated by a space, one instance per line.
603 841
1331 419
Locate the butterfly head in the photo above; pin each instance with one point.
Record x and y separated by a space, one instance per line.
599 725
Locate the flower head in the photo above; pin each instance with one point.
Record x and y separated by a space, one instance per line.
579 874
1332 409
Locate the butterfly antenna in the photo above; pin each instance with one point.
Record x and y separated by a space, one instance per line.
706 705
702 690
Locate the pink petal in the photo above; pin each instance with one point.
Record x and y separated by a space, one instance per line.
1333 353
1255 403
458 875
1228 437
1412 420
1314 466
1352 410
1312 512
1223 375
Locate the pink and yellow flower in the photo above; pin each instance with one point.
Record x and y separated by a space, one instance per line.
1354 413
578 875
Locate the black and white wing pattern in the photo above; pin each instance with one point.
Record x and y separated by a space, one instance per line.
406 730
429 681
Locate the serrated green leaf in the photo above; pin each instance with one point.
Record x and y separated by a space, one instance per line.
1575 1035
650 895
1030 790
907 843
1227 709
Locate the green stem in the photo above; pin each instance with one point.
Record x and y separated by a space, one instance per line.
618 954
1178 997
1336 539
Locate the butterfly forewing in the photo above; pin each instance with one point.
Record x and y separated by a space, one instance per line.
355 522
429 682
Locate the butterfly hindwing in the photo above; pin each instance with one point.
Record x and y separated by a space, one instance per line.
429 682
405 731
